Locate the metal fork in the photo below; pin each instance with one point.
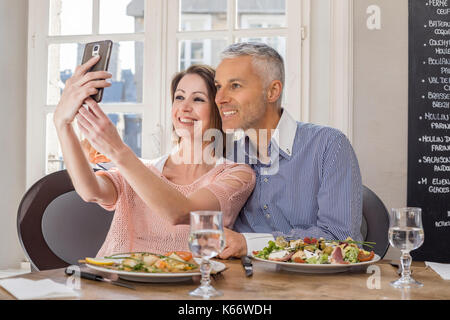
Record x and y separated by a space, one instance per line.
217 276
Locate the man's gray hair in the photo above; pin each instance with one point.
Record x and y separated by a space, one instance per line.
266 60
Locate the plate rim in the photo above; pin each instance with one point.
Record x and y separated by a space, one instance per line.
307 266
154 274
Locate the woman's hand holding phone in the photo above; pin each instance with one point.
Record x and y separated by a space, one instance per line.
79 87
101 133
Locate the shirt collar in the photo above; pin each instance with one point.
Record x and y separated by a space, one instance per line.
287 128
283 137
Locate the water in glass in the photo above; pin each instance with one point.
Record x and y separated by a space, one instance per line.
206 241
406 238
406 233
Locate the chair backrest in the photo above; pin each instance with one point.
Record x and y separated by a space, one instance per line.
56 227
375 224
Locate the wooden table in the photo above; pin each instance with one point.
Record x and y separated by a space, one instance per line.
270 283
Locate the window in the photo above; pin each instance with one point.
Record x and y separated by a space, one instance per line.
153 39
199 30
65 53
219 23
59 30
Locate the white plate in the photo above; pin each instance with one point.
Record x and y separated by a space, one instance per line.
321 268
158 277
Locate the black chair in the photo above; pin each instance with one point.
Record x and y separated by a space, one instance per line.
375 222
56 227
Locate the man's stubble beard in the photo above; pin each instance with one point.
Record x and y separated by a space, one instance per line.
253 119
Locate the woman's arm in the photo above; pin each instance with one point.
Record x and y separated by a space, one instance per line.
90 187
162 198
79 87
159 195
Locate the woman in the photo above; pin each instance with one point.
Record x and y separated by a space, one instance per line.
152 202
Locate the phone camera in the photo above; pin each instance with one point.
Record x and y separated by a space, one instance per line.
95 50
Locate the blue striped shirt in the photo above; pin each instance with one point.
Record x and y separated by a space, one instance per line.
316 190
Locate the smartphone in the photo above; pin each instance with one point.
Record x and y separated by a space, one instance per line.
102 49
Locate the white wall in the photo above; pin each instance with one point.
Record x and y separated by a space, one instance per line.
13 48
380 93
381 101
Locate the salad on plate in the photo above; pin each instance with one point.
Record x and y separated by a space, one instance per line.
146 262
316 251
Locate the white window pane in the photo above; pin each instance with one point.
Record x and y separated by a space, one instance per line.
70 17
121 16
129 126
278 43
126 65
54 158
205 51
203 15
62 61
261 14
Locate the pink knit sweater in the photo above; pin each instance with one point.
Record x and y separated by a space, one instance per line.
136 228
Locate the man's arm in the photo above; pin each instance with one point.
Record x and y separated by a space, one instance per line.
241 244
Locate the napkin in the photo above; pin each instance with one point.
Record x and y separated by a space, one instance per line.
12 273
442 269
25 289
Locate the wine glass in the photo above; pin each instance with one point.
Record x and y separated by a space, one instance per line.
406 234
206 241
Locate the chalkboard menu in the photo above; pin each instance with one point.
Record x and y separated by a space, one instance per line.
429 124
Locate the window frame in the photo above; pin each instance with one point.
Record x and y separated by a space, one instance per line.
160 31
37 77
297 51
341 67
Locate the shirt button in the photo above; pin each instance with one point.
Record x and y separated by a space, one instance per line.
265 179
267 216
265 207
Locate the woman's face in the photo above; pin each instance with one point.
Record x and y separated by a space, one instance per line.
191 106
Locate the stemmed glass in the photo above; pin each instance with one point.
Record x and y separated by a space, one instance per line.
406 234
206 241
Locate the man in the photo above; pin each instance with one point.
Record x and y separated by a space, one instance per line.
315 189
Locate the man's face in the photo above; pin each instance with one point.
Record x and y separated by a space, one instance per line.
240 94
